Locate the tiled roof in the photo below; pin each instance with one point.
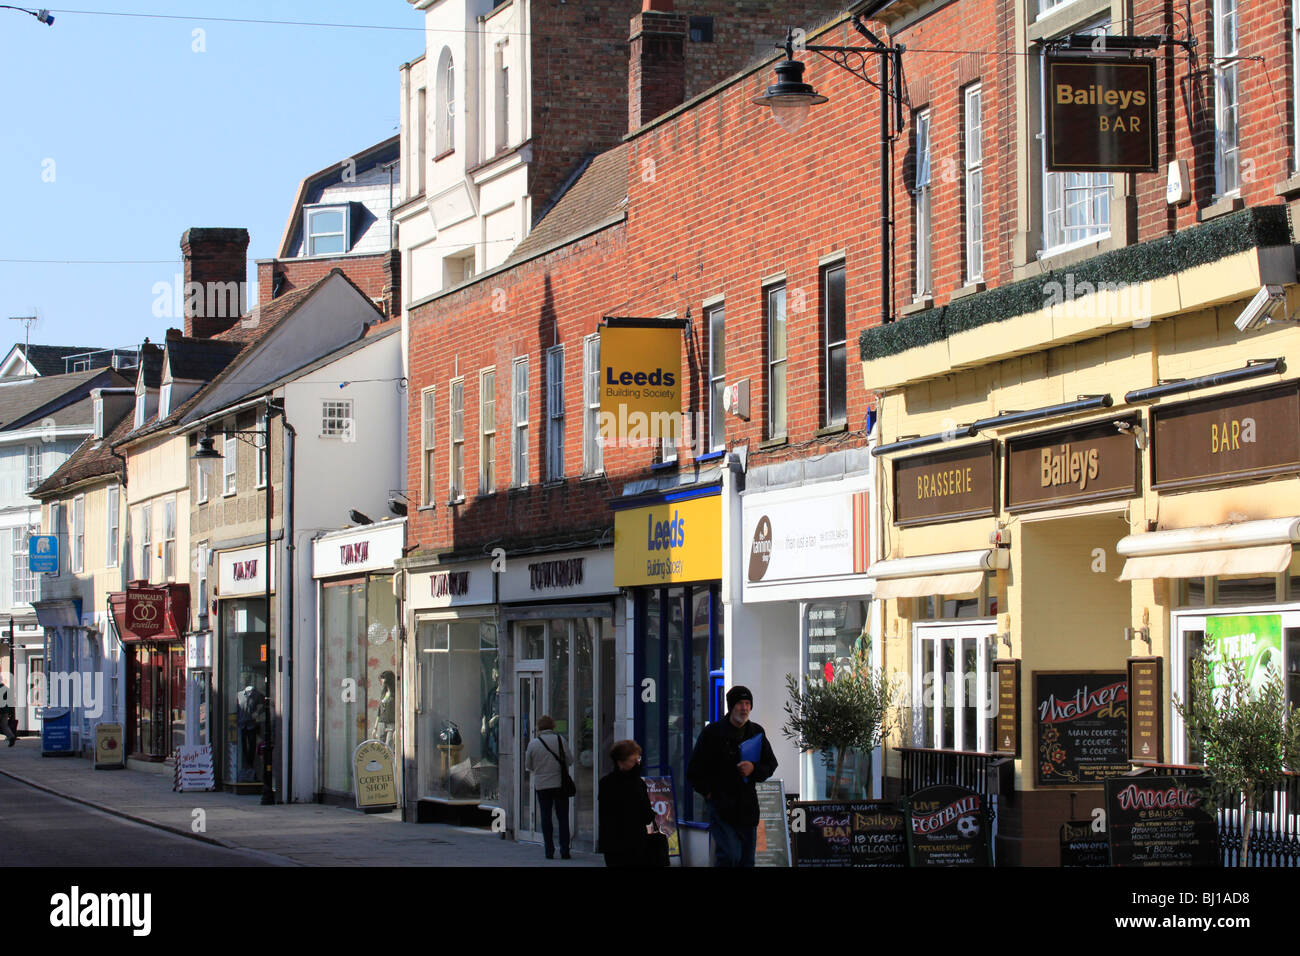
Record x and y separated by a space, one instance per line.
598 194
48 359
199 360
94 458
22 401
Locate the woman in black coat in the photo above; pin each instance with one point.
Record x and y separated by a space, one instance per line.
625 811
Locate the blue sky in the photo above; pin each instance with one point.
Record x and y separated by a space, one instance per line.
116 135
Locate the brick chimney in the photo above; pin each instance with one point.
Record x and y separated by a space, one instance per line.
656 76
216 274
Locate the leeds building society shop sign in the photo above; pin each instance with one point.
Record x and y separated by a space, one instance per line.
1101 115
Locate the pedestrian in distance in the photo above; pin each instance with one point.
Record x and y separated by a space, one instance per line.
8 725
730 757
548 760
626 814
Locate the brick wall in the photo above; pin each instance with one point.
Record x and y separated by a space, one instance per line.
378 276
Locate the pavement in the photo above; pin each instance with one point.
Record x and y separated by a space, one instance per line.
301 834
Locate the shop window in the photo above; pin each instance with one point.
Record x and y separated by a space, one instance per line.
245 643
679 651
1191 592
983 603
1246 589
837 639
457 714
358 632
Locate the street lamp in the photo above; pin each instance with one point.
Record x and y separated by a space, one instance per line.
206 456
790 100
42 15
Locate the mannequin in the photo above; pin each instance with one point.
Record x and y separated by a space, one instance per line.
251 704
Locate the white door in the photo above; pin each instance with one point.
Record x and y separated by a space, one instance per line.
953 687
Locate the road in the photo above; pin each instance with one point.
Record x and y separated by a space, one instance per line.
37 829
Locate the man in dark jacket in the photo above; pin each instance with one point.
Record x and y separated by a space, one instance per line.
726 781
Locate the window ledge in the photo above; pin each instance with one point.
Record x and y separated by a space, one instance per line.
595 476
664 465
515 491
429 507
482 495
442 156
1288 188
1221 207
711 456
453 502
917 305
832 430
554 482
774 442
970 289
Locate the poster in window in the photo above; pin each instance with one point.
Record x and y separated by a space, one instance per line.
1080 727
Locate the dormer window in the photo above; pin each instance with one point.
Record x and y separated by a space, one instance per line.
140 403
165 401
327 230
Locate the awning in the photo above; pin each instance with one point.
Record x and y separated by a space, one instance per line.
966 583
1247 547
58 612
956 572
1267 559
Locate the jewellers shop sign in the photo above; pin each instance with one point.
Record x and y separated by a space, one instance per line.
1101 115
146 610
805 535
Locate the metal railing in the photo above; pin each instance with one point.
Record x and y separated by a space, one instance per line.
962 768
1275 840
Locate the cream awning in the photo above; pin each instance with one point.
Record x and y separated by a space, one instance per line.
967 582
1265 559
957 572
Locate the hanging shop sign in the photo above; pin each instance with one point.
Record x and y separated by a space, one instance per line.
109 752
677 540
372 771
43 554
1096 462
453 585
806 535
948 826
1146 709
772 847
559 574
243 572
198 650
1253 642
1081 845
1101 115
1006 725
146 610
828 833
1249 434
1080 727
946 485
640 383
374 547
1160 821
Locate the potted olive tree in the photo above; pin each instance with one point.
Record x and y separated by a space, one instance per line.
851 707
1248 737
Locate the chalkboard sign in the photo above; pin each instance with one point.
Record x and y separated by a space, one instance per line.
827 833
1160 821
773 844
948 826
1080 727
1083 846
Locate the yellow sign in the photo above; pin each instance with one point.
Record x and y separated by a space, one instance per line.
108 746
640 383
373 778
667 543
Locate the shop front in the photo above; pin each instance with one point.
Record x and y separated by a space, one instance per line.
668 555
456 664
560 608
244 639
808 610
71 674
359 649
151 623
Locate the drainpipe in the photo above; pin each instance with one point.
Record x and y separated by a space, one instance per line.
290 442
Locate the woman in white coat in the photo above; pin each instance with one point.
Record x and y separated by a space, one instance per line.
548 759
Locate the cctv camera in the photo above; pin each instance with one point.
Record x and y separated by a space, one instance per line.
1259 310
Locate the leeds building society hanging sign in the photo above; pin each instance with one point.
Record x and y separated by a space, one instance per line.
1101 115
